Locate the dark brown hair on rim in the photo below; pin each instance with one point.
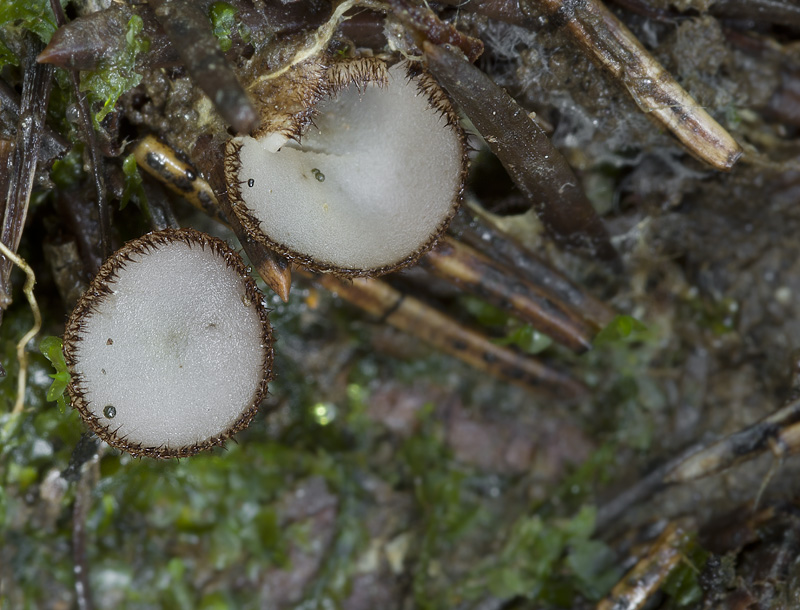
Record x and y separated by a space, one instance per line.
338 75
98 291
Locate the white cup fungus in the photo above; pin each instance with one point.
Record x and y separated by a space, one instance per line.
170 348
362 179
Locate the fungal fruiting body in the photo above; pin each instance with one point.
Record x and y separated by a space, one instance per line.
170 348
359 181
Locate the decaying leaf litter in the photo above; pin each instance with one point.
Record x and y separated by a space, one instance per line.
388 472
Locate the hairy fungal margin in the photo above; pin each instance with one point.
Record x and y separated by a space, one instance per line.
361 178
170 348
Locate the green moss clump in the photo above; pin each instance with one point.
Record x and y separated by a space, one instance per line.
53 349
18 16
117 75
223 20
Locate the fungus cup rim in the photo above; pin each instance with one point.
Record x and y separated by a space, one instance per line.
95 295
337 76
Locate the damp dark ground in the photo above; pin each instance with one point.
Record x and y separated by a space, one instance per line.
382 473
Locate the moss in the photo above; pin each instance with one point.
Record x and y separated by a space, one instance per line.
223 20
117 75
18 16
548 560
621 329
68 173
52 348
133 183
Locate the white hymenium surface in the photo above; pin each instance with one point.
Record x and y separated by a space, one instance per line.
177 349
369 183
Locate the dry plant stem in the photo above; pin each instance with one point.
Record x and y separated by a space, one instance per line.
83 499
474 272
517 256
319 40
647 576
81 218
273 268
157 207
91 143
442 332
424 20
36 86
161 162
22 356
779 432
783 12
64 260
6 154
611 45
608 514
54 145
537 168
190 32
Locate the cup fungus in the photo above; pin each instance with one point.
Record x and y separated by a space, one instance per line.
358 180
170 348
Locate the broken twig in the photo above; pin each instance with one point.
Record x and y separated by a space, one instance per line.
190 32
647 576
779 432
610 44
36 86
474 272
445 334
162 162
535 165
98 173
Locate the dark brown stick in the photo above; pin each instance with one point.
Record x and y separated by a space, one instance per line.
445 334
98 172
605 39
474 272
779 432
487 237
36 86
190 32
535 165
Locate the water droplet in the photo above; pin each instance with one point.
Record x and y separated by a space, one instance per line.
110 411
318 175
251 182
